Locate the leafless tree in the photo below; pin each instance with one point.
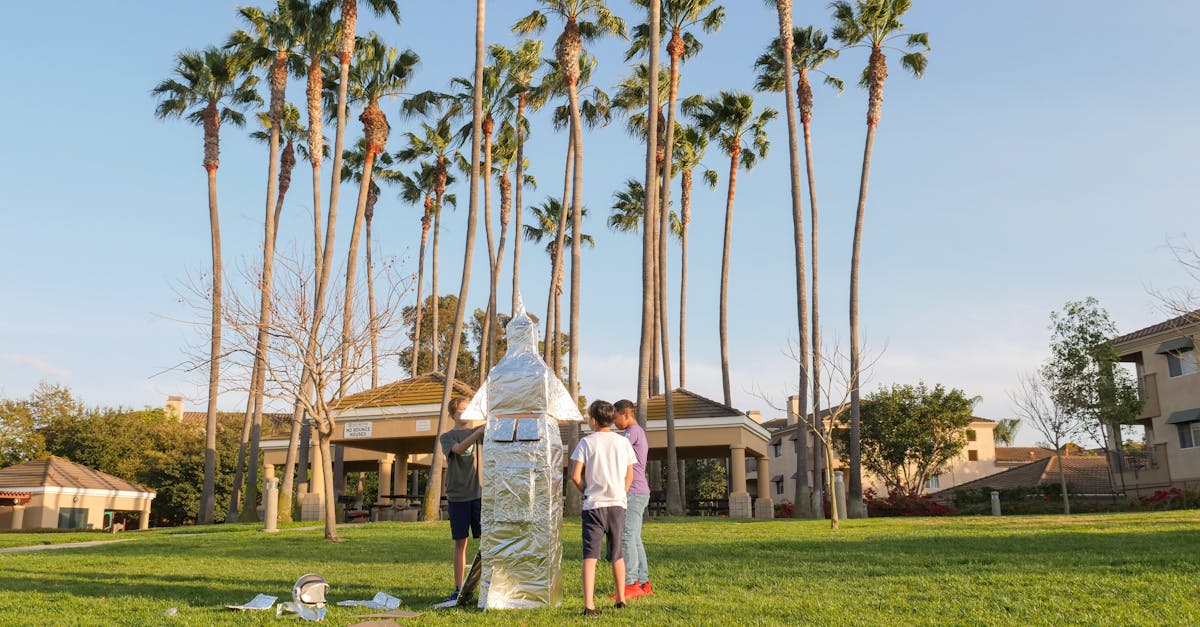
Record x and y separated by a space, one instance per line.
835 392
1035 405
303 356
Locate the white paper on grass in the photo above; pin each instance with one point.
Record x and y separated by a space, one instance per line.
381 601
259 602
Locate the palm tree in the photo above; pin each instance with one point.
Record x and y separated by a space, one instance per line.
547 224
421 187
504 158
1006 430
289 131
872 24
577 30
433 496
689 149
596 111
807 51
271 46
346 45
210 87
633 99
292 135
520 64
436 143
628 210
353 168
730 120
379 72
678 18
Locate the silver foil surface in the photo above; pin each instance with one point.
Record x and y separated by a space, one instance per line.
523 402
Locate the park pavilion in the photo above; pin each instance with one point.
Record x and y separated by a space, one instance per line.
390 430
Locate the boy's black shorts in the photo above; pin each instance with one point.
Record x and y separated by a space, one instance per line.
607 523
464 518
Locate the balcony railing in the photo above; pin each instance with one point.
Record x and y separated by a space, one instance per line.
1148 468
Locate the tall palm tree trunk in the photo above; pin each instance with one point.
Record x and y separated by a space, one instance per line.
674 488
258 374
435 337
432 502
815 302
360 215
556 271
724 309
854 489
425 224
232 511
877 71
373 328
685 208
505 214
208 492
573 502
646 364
485 340
520 208
802 497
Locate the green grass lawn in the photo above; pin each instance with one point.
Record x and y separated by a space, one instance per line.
1094 569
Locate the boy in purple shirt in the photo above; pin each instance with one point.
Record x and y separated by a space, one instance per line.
637 575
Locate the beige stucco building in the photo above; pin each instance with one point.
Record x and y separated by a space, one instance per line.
977 459
56 493
1168 375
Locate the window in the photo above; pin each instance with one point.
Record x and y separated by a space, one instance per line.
973 455
777 447
1189 434
933 483
970 435
1181 363
779 487
72 517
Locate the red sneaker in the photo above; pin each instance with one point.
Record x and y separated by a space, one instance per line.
646 590
632 591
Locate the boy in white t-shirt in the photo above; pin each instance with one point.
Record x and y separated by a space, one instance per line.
603 471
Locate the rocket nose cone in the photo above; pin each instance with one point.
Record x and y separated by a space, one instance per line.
521 331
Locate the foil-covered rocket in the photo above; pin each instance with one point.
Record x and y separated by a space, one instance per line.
523 402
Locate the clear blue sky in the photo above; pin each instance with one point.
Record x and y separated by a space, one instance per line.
1048 154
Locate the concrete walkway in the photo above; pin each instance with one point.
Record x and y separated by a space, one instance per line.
66 545
84 545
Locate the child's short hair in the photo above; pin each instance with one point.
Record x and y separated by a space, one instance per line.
455 402
624 405
602 412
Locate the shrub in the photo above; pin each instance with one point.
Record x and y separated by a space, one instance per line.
899 503
784 509
1173 498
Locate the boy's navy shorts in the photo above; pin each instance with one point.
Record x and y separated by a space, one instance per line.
464 518
607 523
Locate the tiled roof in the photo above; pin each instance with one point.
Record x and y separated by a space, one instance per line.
63 473
1086 474
688 404
774 424
199 418
1172 324
422 390
1021 454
